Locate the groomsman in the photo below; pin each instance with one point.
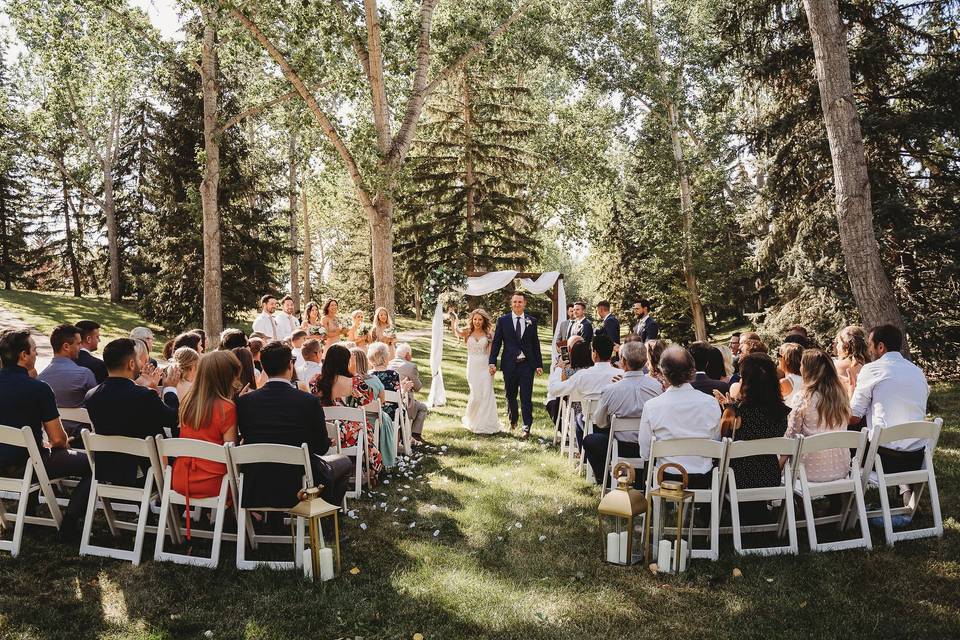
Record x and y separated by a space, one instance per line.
645 326
564 328
287 323
609 325
265 322
581 324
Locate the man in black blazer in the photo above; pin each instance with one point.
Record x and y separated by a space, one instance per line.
89 340
516 333
702 382
279 413
580 326
645 326
121 407
609 325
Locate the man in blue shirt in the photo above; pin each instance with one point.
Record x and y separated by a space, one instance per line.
28 402
69 381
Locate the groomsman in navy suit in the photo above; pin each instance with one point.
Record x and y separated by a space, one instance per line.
609 325
516 333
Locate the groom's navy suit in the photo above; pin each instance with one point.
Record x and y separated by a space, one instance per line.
521 358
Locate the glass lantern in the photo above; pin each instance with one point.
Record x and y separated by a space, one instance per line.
619 511
671 556
319 560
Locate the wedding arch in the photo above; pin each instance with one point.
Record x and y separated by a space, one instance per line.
480 284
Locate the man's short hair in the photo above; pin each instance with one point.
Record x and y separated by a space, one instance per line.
231 339
285 298
752 346
603 346
265 299
798 329
86 328
403 349
141 333
310 348
118 353
889 335
275 358
62 334
735 334
797 338
645 303
299 333
677 366
580 303
701 355
519 293
634 354
604 304
13 342
188 339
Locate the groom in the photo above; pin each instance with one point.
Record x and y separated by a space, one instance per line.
517 334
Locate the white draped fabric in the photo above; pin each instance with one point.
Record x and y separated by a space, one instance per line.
481 286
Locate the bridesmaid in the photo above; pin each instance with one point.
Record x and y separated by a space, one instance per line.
383 330
331 324
311 317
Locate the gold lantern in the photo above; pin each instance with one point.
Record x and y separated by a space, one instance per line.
671 557
313 509
618 514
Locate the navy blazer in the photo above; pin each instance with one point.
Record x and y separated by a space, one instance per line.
121 407
610 327
95 364
707 385
279 413
513 345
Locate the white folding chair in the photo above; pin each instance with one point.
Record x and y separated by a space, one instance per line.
849 484
874 476
21 488
784 492
587 405
564 415
187 447
335 415
401 420
703 448
75 414
275 454
103 494
618 425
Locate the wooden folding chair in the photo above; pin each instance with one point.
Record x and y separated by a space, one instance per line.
360 453
275 454
789 447
169 498
20 489
703 448
618 425
104 494
874 476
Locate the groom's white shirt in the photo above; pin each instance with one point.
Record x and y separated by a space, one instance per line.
523 322
585 382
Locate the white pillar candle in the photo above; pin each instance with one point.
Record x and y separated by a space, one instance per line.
307 564
664 557
326 564
613 547
623 548
684 555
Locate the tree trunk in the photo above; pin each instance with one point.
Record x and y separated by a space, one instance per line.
469 176
210 184
113 232
380 218
4 244
868 280
307 245
71 255
294 266
418 300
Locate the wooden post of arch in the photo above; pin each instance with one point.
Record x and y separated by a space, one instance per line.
555 313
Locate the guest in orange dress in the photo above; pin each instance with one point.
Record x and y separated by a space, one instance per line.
208 414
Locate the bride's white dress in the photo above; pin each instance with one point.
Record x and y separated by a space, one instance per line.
481 415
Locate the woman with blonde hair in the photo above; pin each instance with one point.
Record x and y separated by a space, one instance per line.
852 354
388 437
789 364
185 360
821 406
481 414
655 349
383 330
207 413
331 323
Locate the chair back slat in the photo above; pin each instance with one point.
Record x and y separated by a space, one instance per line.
392 396
117 444
764 446
922 430
76 414
702 447
618 424
833 440
189 447
12 436
275 453
372 407
352 414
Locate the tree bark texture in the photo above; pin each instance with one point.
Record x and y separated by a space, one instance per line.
294 244
210 184
71 254
4 244
871 288
469 175
307 245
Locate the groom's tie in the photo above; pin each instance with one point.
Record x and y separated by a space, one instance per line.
519 335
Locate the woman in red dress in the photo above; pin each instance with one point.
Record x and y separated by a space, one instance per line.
208 414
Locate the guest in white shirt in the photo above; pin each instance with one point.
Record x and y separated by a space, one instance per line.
681 412
265 322
590 381
296 342
889 391
287 323
310 354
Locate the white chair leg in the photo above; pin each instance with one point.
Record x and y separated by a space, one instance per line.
88 518
791 519
735 513
811 522
862 510
885 509
165 508
242 517
142 520
21 512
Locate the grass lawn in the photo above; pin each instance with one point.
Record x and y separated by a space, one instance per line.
482 576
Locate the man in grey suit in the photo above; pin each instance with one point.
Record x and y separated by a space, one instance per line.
403 364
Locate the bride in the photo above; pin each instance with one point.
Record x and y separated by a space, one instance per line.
481 415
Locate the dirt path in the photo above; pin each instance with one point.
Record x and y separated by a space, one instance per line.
44 351
414 334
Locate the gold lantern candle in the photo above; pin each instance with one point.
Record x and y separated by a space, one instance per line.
313 509
617 517
675 492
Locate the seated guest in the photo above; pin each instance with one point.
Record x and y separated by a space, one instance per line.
188 339
89 340
120 407
207 413
702 353
297 338
378 355
852 354
624 399
203 340
404 365
579 357
727 355
715 369
388 436
748 344
339 384
230 339
281 414
761 414
655 349
821 406
681 412
792 382
798 334
69 381
592 380
145 334
28 402
167 352
185 362
310 355
255 345
891 390
250 379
